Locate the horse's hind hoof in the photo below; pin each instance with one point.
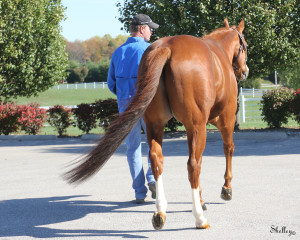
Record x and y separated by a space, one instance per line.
205 226
204 207
226 193
158 220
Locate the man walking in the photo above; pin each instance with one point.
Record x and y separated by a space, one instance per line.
121 80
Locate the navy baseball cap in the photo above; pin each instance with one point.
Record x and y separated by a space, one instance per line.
143 19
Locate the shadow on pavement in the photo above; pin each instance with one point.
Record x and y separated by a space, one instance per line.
26 217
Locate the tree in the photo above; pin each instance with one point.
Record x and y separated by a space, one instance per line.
32 51
92 49
81 72
291 77
95 54
108 45
97 71
272 26
77 74
76 51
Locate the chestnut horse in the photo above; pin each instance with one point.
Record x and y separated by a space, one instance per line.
194 80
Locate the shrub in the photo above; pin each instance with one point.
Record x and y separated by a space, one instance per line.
251 83
107 111
276 107
9 115
60 118
32 118
97 71
296 105
86 117
173 125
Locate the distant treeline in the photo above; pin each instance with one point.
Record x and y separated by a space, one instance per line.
89 60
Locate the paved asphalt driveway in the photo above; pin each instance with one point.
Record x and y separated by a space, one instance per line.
35 202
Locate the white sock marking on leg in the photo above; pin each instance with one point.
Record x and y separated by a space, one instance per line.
197 209
161 202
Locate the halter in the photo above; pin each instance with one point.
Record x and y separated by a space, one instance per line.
243 46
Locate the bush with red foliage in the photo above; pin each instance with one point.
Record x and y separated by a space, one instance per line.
9 115
32 118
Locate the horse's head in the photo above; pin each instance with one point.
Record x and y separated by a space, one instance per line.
239 61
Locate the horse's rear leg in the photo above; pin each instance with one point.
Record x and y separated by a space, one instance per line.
196 142
155 137
156 116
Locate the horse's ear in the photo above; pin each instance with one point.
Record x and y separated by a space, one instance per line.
225 23
241 26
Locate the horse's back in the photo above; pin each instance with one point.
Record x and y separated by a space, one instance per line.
185 48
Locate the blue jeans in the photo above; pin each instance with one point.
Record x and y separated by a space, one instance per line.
134 158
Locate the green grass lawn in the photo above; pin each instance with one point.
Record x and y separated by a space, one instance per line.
71 131
257 123
254 118
67 97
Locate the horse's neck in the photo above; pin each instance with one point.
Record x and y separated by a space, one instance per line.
222 41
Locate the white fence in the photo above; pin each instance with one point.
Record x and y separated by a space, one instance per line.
251 92
81 85
248 102
254 113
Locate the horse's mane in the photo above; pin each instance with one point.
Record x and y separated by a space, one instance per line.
216 32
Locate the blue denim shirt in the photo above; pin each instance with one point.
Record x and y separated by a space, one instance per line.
123 70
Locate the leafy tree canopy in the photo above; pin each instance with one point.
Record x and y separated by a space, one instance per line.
95 48
272 26
32 51
291 77
94 55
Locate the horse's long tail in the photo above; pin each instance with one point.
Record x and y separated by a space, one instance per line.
150 70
